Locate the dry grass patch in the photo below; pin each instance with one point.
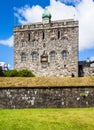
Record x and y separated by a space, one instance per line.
45 81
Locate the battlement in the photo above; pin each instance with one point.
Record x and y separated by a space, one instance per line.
53 24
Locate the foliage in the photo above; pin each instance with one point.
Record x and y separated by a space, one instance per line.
15 73
10 73
25 73
1 73
83 94
47 119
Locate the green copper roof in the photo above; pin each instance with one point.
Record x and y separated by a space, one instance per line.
46 14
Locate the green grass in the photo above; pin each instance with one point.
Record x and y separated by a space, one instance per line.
45 81
47 119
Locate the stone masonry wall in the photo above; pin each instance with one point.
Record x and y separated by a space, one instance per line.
57 36
57 97
88 71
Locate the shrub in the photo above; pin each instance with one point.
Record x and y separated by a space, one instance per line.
15 73
83 94
1 73
11 73
25 73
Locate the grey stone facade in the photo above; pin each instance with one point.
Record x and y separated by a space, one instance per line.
58 97
47 48
86 68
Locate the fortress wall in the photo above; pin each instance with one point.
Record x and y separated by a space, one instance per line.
47 97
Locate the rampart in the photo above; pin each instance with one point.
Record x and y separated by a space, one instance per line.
46 97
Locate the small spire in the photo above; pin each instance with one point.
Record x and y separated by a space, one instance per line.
46 16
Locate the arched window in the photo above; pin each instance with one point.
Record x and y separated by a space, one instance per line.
53 55
23 57
34 56
23 44
64 55
65 39
34 43
53 41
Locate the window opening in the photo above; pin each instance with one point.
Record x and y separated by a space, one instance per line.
44 45
52 55
28 36
58 34
43 35
23 57
64 55
34 56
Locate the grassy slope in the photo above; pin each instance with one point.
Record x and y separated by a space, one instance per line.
47 119
45 81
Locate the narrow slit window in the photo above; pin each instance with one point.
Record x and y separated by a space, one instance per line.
43 35
58 34
28 36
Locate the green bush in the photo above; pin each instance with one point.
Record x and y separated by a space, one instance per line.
11 73
25 73
1 73
15 73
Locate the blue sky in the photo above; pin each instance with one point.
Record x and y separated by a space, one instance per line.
17 12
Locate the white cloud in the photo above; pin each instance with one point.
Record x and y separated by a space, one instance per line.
84 12
92 58
61 11
27 14
86 22
8 42
34 14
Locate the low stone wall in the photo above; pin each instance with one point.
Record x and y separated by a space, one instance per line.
57 97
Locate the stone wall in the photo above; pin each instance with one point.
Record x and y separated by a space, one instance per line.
88 71
57 97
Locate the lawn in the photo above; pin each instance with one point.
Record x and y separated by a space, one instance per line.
45 81
47 119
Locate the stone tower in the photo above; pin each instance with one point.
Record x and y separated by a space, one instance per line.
48 48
